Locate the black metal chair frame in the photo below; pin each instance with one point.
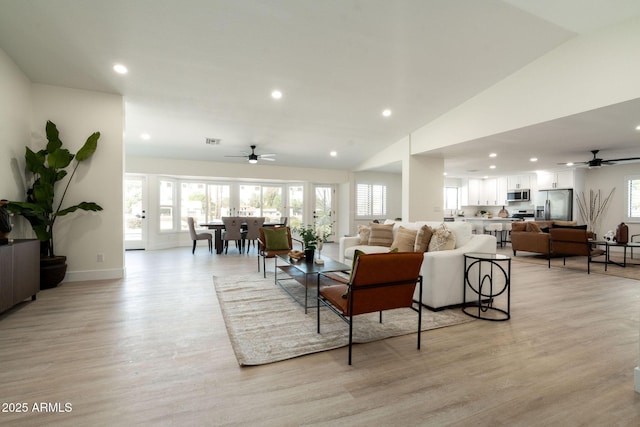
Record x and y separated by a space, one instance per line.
564 256
353 290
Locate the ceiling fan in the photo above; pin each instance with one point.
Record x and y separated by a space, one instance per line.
253 157
597 162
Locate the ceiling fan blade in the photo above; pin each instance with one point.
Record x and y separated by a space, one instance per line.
235 156
267 155
622 160
269 159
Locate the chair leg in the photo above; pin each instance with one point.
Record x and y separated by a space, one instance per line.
194 247
350 336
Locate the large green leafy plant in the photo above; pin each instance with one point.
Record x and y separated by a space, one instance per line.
48 168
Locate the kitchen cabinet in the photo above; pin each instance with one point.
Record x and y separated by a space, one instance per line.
485 192
519 182
555 180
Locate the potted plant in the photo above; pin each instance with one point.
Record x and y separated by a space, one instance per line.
310 240
47 169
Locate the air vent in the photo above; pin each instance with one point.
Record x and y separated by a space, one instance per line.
212 141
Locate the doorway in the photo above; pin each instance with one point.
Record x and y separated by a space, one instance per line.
324 211
135 212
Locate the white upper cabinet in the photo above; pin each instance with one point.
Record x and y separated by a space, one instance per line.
486 192
555 180
518 182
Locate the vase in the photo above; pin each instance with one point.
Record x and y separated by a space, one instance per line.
309 254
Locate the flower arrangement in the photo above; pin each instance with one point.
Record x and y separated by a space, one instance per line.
592 211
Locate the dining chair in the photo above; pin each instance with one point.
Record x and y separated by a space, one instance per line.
198 236
232 231
378 282
252 233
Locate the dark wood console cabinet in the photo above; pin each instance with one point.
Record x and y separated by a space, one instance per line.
19 272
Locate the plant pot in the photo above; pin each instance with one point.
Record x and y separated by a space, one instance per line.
52 271
309 254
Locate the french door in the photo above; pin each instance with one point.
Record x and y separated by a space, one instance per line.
135 212
324 210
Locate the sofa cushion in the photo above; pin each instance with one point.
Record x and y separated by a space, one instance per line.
423 237
368 249
443 239
364 231
405 240
381 235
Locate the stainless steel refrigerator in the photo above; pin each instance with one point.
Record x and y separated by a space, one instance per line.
554 205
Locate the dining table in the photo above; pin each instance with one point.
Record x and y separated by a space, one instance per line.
218 226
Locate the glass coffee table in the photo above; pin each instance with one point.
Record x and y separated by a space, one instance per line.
296 282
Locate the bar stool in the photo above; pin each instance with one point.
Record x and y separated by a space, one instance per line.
496 230
506 232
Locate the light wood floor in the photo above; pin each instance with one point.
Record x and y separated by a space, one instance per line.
153 350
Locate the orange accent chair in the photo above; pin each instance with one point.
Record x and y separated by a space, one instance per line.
378 282
572 242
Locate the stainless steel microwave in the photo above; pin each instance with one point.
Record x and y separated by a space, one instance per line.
518 195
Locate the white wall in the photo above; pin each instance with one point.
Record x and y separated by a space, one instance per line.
24 110
588 72
15 114
81 236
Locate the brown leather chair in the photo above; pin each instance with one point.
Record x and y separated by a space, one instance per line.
269 247
378 282
572 242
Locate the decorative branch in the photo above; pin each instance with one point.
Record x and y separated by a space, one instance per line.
592 211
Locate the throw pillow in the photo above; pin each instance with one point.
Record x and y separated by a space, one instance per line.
519 226
405 240
533 227
276 239
364 232
423 237
381 235
442 240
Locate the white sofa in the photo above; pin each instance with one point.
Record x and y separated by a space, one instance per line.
442 272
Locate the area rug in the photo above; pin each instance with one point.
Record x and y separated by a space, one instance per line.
266 325
631 271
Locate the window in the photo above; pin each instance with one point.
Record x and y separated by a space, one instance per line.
451 198
261 200
193 202
371 200
167 197
633 198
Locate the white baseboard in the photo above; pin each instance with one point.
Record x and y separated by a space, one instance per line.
637 379
80 276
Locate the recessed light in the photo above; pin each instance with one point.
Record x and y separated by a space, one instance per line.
386 112
333 153
492 167
638 127
145 136
120 69
276 94
493 155
444 173
533 159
